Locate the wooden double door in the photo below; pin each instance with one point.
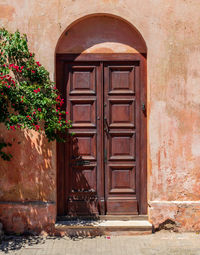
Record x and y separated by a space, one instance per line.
102 167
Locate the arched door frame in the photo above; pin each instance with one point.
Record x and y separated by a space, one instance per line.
61 148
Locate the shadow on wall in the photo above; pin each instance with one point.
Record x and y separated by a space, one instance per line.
82 187
28 182
101 34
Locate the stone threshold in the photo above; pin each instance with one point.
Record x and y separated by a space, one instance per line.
81 227
102 217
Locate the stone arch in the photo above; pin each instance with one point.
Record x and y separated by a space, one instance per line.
101 33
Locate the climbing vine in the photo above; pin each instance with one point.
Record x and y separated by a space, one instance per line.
28 98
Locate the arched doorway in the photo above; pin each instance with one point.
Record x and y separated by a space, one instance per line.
101 73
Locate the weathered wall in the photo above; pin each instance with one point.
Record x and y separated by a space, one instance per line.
172 35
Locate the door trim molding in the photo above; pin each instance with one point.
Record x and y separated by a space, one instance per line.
101 57
59 77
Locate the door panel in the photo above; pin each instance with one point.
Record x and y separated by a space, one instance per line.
82 163
121 112
120 80
121 146
121 179
83 112
82 80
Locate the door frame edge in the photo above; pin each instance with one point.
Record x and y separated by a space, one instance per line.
142 57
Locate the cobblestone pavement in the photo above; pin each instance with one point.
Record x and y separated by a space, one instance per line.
162 243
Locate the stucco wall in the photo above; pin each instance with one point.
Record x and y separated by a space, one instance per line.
172 35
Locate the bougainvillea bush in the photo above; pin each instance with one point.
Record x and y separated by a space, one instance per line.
28 98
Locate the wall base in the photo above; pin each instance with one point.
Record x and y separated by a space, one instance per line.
28 217
35 217
185 214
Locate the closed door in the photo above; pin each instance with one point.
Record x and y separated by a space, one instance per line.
102 161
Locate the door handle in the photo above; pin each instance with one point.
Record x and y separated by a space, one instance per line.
143 106
81 162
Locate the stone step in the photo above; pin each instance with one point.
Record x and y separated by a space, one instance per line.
103 217
102 227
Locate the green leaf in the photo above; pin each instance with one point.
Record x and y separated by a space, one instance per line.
20 104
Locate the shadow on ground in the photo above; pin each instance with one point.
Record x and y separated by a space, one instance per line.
13 242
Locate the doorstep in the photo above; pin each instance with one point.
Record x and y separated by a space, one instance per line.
99 227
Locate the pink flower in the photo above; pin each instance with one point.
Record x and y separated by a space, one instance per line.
61 102
12 127
36 90
16 68
58 99
38 63
39 109
32 71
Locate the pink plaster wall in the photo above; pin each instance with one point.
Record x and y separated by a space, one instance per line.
30 175
171 32
28 217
